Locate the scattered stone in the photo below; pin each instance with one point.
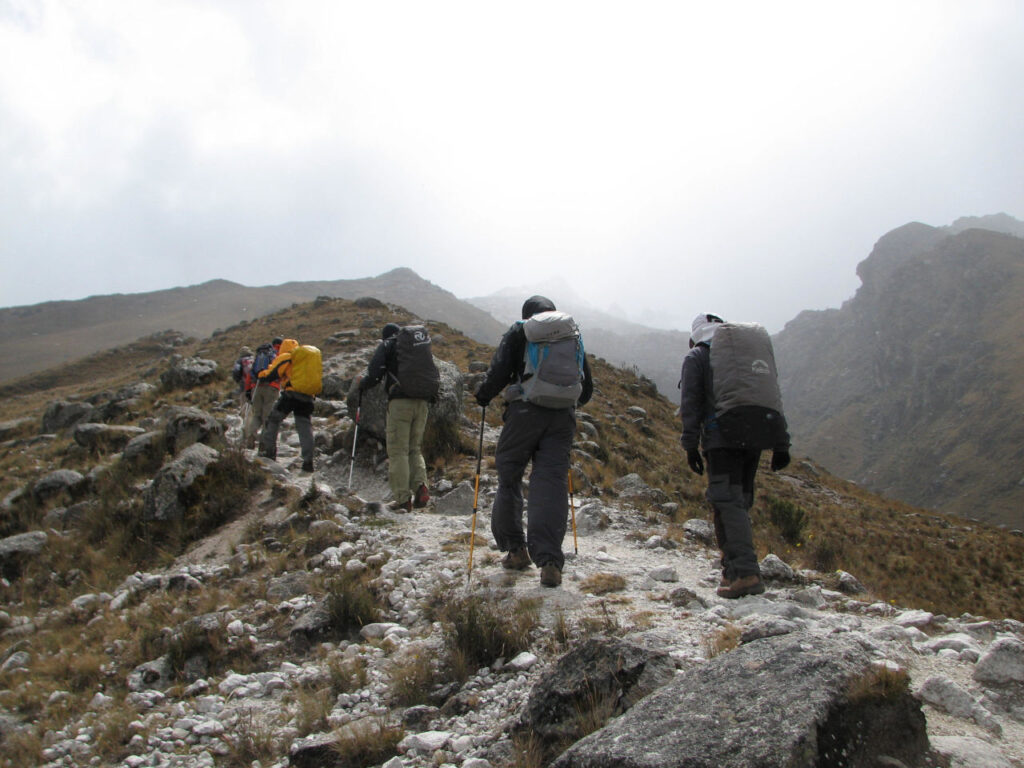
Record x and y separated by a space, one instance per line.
776 569
699 530
104 437
57 483
457 502
188 373
1002 663
17 550
165 498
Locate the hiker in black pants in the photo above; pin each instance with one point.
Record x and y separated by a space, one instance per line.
731 469
531 433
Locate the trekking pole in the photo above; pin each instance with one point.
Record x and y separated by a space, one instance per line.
572 506
476 493
355 436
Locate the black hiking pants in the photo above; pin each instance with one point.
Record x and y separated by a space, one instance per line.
543 436
730 492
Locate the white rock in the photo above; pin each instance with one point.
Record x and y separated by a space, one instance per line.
604 557
475 762
522 662
208 728
917 619
968 752
1002 663
377 630
956 642
236 628
428 741
665 573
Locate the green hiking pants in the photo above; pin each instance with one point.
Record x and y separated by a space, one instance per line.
407 418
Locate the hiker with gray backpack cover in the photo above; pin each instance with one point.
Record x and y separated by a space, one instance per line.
541 366
731 408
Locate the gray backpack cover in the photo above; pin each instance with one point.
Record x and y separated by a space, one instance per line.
748 403
553 369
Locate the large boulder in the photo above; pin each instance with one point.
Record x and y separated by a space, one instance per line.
600 672
188 372
445 411
166 497
104 437
61 414
57 484
782 701
16 550
186 426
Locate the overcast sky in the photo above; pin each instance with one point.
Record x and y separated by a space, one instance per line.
676 157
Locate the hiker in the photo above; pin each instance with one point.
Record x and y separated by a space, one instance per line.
241 372
537 428
283 370
731 446
405 359
264 393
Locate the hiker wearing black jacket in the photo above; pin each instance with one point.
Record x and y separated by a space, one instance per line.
406 423
731 469
531 433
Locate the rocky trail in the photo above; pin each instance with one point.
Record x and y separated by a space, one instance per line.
968 672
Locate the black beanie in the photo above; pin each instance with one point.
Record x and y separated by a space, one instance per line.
389 330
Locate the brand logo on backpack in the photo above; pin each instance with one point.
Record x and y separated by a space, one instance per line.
748 404
553 361
417 374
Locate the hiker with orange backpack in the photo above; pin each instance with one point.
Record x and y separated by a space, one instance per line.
298 369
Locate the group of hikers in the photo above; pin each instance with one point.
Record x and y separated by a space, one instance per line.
730 407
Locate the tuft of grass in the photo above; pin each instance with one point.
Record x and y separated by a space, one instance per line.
313 706
478 630
603 583
346 675
351 603
879 683
605 623
722 640
789 519
413 675
361 744
250 740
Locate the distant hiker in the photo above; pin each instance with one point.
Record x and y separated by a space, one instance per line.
541 364
405 359
241 372
298 370
731 407
264 394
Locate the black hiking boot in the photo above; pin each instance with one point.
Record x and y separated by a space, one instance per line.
307 466
516 560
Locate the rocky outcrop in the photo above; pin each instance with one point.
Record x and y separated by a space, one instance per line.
781 701
188 373
905 389
165 498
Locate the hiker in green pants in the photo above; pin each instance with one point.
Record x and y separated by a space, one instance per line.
405 360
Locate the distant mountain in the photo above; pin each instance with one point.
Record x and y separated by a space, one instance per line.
915 387
47 334
656 353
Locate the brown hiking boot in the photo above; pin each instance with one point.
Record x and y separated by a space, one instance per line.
401 506
422 497
741 586
516 560
550 576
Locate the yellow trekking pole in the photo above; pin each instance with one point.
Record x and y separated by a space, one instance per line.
572 506
476 493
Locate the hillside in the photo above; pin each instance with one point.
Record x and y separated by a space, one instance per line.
915 387
45 335
290 622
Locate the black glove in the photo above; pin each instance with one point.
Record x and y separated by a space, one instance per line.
780 460
695 461
481 400
363 384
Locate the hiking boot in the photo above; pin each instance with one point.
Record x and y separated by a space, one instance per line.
307 466
422 497
516 560
740 586
550 575
401 506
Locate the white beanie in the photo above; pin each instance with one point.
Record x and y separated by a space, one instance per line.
703 328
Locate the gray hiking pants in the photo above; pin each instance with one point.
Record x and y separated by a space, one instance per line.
263 398
543 436
302 407
731 494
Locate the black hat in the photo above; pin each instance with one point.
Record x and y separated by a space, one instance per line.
277 341
389 330
535 305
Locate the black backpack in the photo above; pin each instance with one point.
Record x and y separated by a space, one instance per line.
417 375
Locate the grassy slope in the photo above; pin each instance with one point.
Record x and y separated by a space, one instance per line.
902 554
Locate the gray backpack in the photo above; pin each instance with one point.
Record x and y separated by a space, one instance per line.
553 370
748 403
